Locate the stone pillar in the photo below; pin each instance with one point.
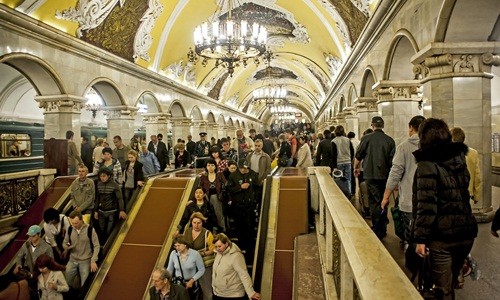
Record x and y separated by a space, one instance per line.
222 131
181 128
351 120
212 131
456 80
231 131
120 122
341 119
366 108
198 126
156 123
61 113
398 102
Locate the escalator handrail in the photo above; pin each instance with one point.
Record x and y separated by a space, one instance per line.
262 231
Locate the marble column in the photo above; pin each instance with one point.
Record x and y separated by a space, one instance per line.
341 120
366 108
456 80
398 102
198 126
351 120
222 131
181 128
61 113
156 123
212 131
120 122
231 131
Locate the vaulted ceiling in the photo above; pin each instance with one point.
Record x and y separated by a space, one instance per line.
310 40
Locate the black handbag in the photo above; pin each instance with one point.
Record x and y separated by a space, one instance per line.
193 291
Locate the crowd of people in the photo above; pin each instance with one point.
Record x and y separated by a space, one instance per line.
433 173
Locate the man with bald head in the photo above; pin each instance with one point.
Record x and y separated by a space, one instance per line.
243 145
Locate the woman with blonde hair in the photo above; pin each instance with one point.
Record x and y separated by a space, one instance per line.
201 240
97 154
134 176
230 279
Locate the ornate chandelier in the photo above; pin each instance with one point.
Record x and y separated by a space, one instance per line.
282 110
94 102
229 40
271 93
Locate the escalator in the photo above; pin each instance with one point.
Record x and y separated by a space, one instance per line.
287 218
57 196
144 239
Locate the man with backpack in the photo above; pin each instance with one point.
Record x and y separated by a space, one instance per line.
82 244
55 227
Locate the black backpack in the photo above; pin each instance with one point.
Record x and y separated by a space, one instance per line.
89 235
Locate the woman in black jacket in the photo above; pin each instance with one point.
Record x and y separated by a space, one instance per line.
134 176
444 226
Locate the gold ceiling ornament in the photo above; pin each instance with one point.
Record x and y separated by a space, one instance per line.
271 93
228 39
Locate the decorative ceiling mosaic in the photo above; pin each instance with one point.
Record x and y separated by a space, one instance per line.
121 27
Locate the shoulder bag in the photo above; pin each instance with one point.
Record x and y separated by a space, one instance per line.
208 260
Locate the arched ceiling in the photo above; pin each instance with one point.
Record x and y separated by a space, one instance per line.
310 40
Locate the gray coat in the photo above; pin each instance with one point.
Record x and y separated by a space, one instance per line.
402 172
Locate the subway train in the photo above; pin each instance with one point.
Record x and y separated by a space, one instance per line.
21 144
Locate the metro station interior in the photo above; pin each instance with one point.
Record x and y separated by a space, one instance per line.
103 68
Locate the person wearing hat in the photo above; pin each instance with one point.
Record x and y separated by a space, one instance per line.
241 186
31 250
376 150
202 150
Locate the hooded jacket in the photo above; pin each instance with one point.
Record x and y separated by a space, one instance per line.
230 278
403 170
441 207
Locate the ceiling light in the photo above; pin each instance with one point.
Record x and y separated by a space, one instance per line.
228 39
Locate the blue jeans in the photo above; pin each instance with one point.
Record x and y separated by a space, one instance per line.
346 170
75 267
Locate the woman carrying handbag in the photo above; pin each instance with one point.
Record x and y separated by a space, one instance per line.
187 266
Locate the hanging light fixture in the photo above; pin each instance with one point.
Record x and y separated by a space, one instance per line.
228 39
271 93
94 102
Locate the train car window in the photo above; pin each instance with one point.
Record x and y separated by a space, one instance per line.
15 145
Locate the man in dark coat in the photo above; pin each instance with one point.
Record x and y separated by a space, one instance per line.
376 150
159 149
202 150
190 146
87 152
324 153
241 186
